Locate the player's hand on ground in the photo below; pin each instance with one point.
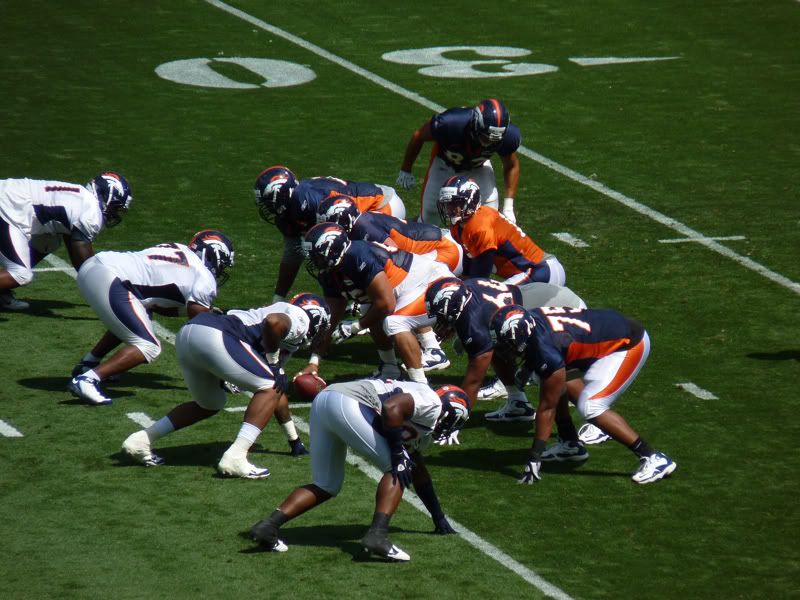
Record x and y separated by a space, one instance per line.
442 526
406 180
532 473
448 439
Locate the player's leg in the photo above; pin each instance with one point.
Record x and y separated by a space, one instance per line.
284 417
517 406
438 173
15 265
486 180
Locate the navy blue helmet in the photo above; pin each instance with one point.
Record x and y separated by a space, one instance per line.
114 194
215 249
489 122
273 189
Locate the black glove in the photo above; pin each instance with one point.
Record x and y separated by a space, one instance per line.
401 468
281 380
442 526
532 473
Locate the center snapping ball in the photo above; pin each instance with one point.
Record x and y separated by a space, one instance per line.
308 385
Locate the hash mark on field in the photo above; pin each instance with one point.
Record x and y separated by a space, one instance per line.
51 269
7 430
680 240
140 419
235 409
696 391
600 188
616 60
570 239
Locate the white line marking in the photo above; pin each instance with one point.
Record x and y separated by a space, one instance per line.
235 409
616 60
7 430
681 240
140 419
51 269
570 239
696 391
535 156
468 536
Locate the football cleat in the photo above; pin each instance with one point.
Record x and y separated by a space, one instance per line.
86 365
492 390
591 434
433 359
298 448
265 533
565 451
8 301
89 390
654 467
377 542
387 371
512 410
137 446
240 467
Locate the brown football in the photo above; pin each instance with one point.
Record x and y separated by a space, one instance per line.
308 385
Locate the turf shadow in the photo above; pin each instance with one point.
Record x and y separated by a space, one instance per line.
779 355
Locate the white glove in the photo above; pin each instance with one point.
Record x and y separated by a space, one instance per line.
406 180
508 210
532 473
344 331
448 440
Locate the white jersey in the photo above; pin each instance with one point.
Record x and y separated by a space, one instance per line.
418 429
168 275
40 207
298 330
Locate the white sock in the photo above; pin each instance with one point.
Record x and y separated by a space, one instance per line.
91 375
387 356
159 429
417 375
248 434
290 429
428 341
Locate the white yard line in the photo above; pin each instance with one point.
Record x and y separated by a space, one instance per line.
683 240
535 156
696 391
7 430
570 239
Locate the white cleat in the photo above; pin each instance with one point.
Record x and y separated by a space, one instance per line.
512 410
241 467
89 390
654 467
434 359
591 434
494 390
137 446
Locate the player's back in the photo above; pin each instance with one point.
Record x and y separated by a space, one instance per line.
414 237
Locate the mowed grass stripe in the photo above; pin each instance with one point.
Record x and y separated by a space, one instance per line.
604 190
470 537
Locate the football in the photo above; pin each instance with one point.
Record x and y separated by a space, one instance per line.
308 385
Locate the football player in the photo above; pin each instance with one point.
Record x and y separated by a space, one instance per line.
464 139
125 288
493 243
467 308
414 237
292 206
608 348
389 423
392 282
35 215
245 348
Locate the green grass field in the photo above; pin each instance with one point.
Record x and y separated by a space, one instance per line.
622 155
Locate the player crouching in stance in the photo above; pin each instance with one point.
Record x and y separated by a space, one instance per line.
125 288
389 423
242 347
609 348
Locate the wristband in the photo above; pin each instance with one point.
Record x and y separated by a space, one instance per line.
314 359
508 204
273 357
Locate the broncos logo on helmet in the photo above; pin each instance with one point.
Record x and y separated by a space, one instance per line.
273 189
114 194
455 410
512 326
326 245
489 122
215 249
341 210
446 298
318 311
459 198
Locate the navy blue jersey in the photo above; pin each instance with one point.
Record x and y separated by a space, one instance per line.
472 327
378 227
456 146
362 262
575 338
249 334
301 214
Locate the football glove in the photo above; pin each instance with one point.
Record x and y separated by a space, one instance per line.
344 331
448 439
442 526
508 210
281 380
230 388
532 473
401 467
406 180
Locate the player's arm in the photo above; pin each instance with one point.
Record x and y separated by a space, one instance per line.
322 342
550 391
510 174
482 265
418 138
423 486
291 261
473 378
382 300
79 251
274 328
